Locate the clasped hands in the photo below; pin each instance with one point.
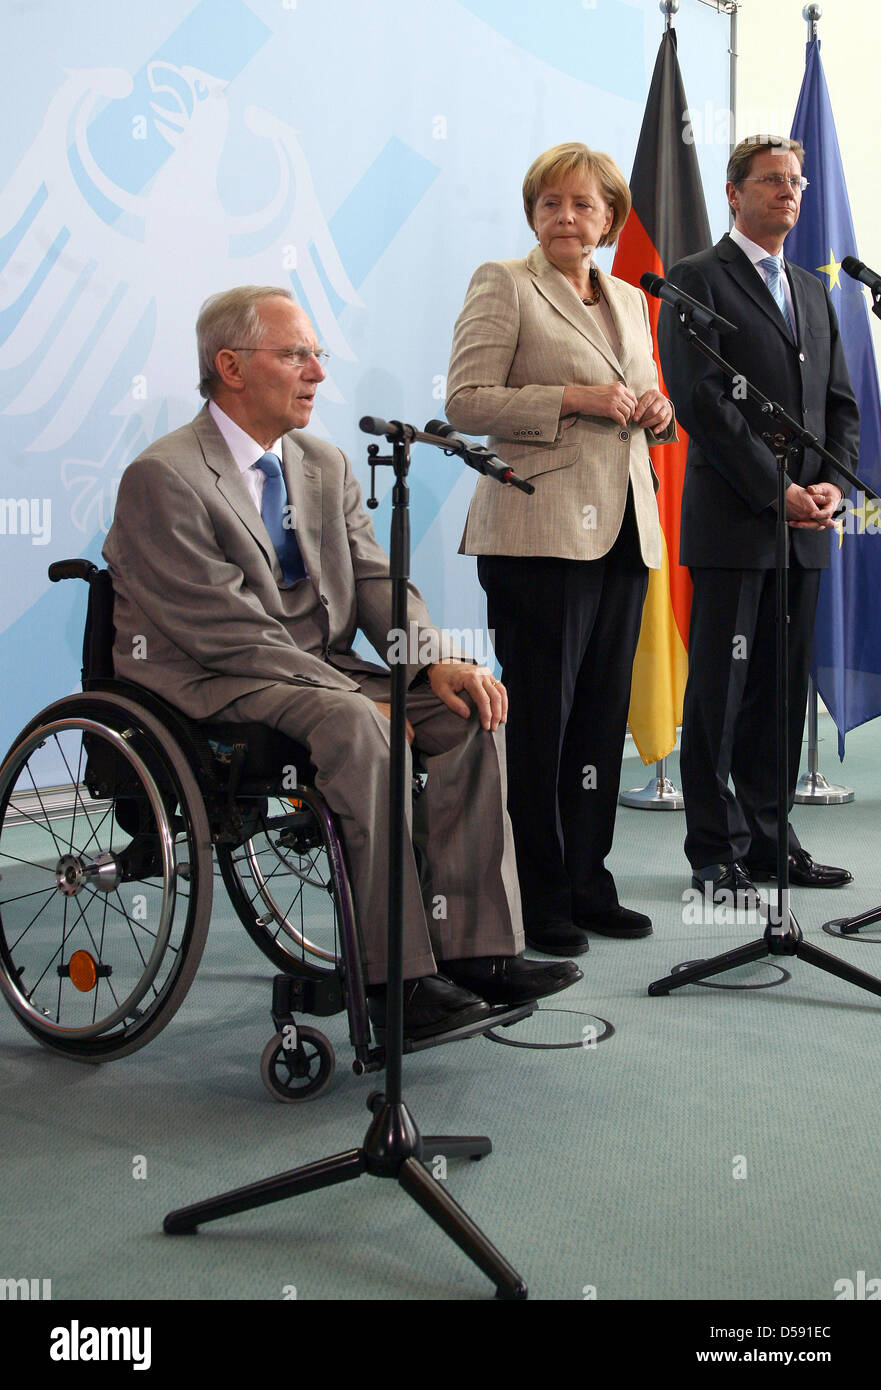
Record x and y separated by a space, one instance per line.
810 508
617 402
448 677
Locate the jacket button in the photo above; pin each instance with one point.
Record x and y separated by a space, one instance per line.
801 357
624 435
324 599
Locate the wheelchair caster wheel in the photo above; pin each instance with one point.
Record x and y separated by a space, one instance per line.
298 1072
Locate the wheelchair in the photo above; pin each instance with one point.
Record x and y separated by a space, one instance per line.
113 806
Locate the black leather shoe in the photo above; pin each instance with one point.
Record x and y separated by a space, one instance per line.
432 1004
729 885
615 921
557 939
511 979
803 872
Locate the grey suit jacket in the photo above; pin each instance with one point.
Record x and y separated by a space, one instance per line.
523 334
201 615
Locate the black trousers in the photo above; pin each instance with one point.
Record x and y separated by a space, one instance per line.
565 632
729 713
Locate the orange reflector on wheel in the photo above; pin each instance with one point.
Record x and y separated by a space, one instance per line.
83 973
295 802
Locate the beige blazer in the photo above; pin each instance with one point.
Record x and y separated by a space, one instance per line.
201 612
523 334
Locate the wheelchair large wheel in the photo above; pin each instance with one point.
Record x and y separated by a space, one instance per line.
286 880
105 876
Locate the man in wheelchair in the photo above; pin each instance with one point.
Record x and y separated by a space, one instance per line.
243 566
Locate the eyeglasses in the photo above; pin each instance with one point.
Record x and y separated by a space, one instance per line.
797 182
300 355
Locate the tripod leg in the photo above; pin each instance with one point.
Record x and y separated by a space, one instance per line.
805 951
327 1171
432 1198
742 955
454 1146
854 924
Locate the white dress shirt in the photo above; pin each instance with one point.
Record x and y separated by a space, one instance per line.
245 450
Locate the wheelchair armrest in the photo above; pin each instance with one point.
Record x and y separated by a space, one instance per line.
71 569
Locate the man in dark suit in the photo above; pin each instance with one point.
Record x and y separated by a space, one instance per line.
788 346
243 566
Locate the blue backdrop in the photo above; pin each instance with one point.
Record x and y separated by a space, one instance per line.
369 155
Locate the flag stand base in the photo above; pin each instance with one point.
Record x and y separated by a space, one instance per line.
660 794
813 789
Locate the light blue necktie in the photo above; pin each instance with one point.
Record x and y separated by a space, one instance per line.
775 285
278 519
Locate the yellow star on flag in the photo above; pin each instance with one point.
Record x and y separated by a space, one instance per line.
832 270
867 518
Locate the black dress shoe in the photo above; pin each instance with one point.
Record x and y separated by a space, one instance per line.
432 1004
511 979
557 938
729 885
803 872
615 921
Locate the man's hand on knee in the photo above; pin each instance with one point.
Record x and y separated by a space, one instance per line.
489 695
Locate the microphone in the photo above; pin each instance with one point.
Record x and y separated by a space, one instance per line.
393 430
858 270
684 304
478 456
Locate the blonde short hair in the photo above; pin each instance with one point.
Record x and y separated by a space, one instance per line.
560 162
230 319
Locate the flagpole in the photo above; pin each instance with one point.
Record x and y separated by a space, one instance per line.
813 789
812 13
659 794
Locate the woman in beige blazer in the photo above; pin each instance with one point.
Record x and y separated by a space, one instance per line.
552 359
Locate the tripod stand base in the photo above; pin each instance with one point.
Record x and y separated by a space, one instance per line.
848 925
392 1148
792 943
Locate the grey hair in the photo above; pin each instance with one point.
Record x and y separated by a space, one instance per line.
230 319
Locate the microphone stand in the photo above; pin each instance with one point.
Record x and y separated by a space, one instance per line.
392 1146
782 935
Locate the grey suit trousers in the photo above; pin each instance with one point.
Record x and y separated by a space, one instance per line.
468 900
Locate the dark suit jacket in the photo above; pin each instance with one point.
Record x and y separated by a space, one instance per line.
728 511
201 613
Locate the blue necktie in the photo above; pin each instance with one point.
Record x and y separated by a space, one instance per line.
775 285
278 519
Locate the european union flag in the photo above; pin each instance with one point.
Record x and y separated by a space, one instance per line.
847 634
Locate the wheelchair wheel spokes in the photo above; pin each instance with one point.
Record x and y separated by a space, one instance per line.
104 901
279 880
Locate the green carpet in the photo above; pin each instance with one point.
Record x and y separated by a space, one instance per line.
721 1144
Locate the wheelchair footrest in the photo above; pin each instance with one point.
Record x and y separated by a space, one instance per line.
501 1016
295 994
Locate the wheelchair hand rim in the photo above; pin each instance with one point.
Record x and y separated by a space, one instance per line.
126 1009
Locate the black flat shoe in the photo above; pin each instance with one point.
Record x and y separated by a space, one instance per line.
557 938
729 885
803 872
511 979
615 921
432 1004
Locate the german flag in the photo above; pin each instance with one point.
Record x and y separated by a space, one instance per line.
668 220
